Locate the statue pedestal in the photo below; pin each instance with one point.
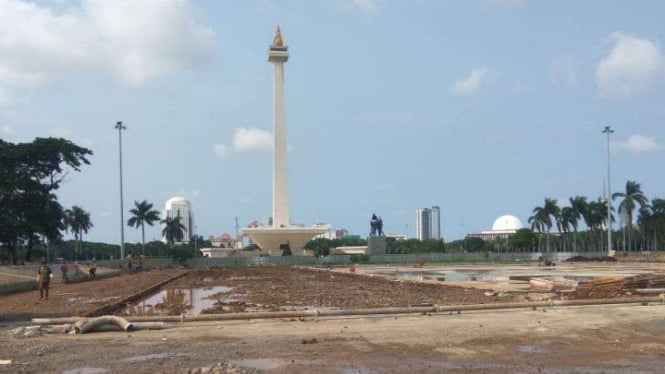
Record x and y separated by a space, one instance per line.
377 245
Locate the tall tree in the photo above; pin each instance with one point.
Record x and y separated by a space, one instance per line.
631 196
173 230
30 173
142 213
544 214
579 207
568 220
79 223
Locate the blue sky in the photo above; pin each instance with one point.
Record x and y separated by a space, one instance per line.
482 107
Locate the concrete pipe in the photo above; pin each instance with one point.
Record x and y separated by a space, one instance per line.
372 311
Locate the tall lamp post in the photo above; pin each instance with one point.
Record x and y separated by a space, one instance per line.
608 130
120 127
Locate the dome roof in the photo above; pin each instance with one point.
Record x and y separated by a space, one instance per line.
176 200
507 223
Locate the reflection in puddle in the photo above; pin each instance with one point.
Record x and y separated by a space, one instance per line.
474 276
155 356
178 301
454 276
355 370
529 349
259 363
85 371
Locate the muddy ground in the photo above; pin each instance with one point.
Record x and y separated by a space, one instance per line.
608 339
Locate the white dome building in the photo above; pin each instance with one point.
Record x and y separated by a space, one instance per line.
179 206
507 223
502 228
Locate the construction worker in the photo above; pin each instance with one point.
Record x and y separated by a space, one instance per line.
64 269
92 269
43 279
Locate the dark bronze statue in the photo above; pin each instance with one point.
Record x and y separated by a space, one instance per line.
376 226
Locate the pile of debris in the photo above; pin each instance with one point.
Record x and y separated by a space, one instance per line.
651 280
555 284
592 259
605 287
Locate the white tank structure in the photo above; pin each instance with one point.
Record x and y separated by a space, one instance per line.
179 206
507 224
271 238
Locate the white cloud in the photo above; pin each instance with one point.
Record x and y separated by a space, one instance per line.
633 66
471 84
564 70
252 139
366 5
135 40
246 140
637 143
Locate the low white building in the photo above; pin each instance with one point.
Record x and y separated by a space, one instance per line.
502 228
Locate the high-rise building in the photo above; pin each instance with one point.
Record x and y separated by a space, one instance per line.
179 207
435 223
428 223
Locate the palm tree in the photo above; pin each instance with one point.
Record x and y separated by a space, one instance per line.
598 217
142 213
537 224
173 230
632 195
579 207
568 220
77 221
544 214
651 219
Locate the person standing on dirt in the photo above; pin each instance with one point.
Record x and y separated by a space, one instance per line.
92 269
64 269
129 262
44 280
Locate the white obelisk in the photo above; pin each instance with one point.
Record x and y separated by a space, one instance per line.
278 55
281 234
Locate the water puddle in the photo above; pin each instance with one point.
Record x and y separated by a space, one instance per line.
354 370
85 371
178 301
529 349
474 276
156 356
259 363
453 276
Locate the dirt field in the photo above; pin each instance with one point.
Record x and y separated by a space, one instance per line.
607 339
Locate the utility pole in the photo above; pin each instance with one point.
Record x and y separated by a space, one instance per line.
608 130
120 127
238 241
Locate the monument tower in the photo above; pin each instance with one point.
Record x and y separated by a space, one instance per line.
278 54
281 233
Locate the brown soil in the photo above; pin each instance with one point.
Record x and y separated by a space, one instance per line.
79 299
287 288
584 339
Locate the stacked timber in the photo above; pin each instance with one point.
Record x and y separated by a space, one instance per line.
604 282
555 284
651 280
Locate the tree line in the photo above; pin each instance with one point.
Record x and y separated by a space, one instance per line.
649 234
31 218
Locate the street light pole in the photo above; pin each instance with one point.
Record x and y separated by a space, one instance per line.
608 130
120 127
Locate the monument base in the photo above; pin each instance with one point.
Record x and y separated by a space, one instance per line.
377 245
269 239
